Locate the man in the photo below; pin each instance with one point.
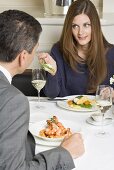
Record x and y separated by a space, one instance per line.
19 35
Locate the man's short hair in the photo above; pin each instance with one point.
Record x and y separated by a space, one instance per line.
18 31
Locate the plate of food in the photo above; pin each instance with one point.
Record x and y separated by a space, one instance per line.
80 103
53 130
40 141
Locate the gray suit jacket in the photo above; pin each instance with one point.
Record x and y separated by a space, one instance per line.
17 146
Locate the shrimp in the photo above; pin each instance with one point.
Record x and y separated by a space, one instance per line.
55 129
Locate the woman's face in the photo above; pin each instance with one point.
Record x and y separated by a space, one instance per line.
81 29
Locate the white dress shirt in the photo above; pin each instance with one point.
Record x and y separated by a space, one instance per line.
6 73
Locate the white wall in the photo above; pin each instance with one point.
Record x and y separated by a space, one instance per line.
21 3
33 7
28 3
108 7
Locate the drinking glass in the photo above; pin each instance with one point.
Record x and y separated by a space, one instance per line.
104 103
38 81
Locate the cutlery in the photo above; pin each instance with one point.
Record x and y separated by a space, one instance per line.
57 99
109 118
45 99
106 118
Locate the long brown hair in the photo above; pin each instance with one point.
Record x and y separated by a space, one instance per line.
96 60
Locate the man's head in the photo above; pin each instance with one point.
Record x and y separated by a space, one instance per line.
19 32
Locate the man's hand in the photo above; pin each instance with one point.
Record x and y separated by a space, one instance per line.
74 144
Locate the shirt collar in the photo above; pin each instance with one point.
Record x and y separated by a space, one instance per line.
6 73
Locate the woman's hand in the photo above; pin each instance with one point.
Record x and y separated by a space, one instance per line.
45 57
112 95
105 92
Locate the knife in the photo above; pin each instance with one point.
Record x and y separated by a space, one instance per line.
57 99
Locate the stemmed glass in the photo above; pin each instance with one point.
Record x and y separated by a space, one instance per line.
104 103
38 81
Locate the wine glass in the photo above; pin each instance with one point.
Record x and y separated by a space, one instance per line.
38 81
104 103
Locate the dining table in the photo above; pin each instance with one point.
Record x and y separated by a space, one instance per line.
99 151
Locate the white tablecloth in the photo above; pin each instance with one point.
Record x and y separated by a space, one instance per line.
99 152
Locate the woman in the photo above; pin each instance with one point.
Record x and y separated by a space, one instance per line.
82 58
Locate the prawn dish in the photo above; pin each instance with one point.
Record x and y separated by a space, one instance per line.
81 102
54 129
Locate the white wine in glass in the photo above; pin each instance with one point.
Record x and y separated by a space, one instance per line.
38 81
104 103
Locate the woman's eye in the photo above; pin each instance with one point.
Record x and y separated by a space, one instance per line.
75 26
87 25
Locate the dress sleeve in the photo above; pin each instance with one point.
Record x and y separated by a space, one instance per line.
53 84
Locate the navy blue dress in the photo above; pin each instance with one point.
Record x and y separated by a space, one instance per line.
69 82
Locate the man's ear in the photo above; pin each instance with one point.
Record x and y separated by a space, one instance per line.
22 58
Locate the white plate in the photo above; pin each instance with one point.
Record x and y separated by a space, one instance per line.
64 105
40 141
36 127
96 123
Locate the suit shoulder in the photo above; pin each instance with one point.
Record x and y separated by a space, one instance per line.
8 92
